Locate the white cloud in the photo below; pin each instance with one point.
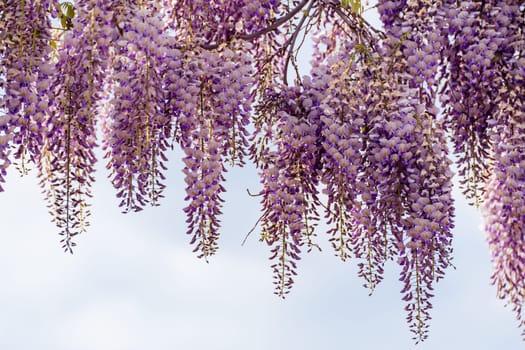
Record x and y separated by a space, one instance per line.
133 283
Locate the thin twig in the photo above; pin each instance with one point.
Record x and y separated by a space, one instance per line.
293 38
253 195
252 229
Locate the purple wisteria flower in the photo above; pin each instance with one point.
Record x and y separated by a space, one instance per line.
137 129
67 170
290 175
503 205
205 88
361 139
25 75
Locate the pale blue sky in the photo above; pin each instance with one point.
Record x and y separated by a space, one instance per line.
133 283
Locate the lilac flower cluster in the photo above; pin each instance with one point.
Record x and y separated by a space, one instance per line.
409 197
211 94
383 165
390 13
25 74
504 210
481 53
290 173
137 129
67 170
503 200
194 18
475 48
342 144
386 169
423 45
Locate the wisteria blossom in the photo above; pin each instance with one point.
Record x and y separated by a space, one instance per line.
290 175
503 200
359 143
137 128
25 80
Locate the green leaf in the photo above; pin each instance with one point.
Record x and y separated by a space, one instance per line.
68 9
70 12
356 6
63 21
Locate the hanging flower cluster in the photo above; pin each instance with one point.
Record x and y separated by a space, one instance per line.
68 159
483 49
485 99
137 129
504 212
25 81
211 129
360 141
290 177
502 200
386 173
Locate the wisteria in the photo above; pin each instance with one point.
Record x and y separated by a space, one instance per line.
137 128
211 129
290 177
358 145
25 78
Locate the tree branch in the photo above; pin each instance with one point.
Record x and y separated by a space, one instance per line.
276 24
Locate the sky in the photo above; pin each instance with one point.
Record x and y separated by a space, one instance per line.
133 283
